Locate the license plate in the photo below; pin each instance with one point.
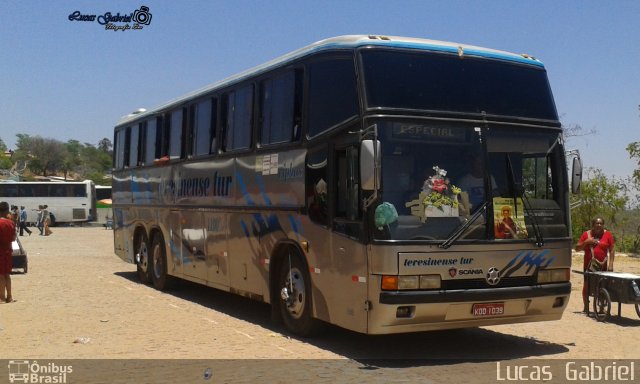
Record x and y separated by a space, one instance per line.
488 309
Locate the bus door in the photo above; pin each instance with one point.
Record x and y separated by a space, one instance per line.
188 239
348 252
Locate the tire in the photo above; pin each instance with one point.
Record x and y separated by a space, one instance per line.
158 257
602 305
294 288
638 309
26 269
143 261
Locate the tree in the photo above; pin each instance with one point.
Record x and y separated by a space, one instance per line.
3 146
634 153
105 145
575 130
600 196
43 156
71 160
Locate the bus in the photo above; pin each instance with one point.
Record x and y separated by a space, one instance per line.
362 181
68 202
103 196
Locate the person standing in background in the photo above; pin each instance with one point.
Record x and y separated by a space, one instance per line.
40 222
7 236
46 218
23 222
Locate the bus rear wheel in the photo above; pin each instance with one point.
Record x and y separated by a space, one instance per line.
142 259
294 286
159 276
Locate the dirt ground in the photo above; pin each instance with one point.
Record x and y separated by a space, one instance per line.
80 301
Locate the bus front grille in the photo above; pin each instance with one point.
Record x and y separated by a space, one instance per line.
482 283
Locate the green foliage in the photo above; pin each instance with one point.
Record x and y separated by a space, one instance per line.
3 146
634 153
76 161
5 163
600 196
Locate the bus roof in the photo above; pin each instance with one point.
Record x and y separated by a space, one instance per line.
343 42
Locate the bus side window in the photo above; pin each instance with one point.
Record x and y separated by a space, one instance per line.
204 134
237 120
119 149
176 134
133 145
142 141
333 96
280 109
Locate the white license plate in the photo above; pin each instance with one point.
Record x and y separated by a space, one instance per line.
488 309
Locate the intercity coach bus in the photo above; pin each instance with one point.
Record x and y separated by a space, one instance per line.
67 201
381 184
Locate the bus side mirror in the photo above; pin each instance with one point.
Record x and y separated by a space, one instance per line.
370 164
576 175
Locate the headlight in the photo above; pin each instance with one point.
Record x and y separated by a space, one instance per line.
546 276
430 282
410 282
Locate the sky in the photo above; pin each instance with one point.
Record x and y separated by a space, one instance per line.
71 79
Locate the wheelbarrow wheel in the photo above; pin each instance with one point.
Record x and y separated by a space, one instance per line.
602 305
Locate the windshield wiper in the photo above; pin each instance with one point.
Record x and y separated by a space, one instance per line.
461 229
518 191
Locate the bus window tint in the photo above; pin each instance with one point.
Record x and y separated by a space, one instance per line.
133 146
277 118
150 144
142 140
444 82
119 149
176 134
203 125
333 94
238 118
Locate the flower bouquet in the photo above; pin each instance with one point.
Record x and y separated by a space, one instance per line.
441 197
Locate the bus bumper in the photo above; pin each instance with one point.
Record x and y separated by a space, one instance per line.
411 311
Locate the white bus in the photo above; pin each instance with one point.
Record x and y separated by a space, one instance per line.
382 184
67 202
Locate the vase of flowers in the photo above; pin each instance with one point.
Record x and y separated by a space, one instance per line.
440 196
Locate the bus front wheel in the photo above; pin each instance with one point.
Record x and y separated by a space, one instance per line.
159 276
142 259
295 297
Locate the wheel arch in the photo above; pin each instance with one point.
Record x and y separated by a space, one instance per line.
138 232
279 256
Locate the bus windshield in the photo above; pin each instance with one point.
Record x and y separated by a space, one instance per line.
444 82
439 175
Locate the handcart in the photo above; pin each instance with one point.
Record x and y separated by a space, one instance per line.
19 257
608 287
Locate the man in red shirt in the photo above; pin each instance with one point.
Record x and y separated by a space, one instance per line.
7 236
599 244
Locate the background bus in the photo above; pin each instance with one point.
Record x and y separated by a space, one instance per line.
323 183
68 202
103 194
104 212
